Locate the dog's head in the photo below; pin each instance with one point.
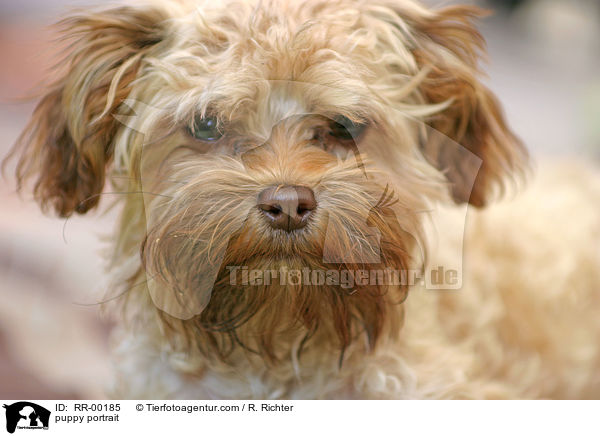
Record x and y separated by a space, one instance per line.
269 136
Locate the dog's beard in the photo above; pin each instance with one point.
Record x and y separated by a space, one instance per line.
207 243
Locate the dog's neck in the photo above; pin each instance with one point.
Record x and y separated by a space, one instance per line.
293 328
300 359
276 324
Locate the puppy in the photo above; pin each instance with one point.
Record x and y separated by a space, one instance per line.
288 173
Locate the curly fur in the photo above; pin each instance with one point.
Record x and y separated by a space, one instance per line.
274 74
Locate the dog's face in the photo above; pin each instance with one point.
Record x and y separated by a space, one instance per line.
261 136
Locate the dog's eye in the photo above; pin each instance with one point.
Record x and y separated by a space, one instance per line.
205 129
345 129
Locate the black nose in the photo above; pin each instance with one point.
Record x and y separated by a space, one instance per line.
287 207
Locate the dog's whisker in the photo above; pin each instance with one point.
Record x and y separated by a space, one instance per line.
113 298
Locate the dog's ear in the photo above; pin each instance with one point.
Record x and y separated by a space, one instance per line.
448 46
67 144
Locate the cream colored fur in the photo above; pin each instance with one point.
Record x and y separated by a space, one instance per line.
273 73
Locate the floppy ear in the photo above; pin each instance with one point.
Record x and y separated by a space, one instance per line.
67 144
447 43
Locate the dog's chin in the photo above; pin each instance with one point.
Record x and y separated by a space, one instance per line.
243 285
269 285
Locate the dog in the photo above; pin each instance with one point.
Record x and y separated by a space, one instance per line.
287 173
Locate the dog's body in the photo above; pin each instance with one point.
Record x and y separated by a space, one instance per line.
321 136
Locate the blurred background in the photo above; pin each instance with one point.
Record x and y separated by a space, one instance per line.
544 66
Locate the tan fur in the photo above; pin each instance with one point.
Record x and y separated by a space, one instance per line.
274 74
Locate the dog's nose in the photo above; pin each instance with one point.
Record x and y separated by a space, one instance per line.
287 207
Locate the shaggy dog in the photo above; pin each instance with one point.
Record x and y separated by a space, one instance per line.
293 179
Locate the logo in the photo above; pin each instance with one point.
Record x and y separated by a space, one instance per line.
26 415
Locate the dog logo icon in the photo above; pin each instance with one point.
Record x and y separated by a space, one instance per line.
26 415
